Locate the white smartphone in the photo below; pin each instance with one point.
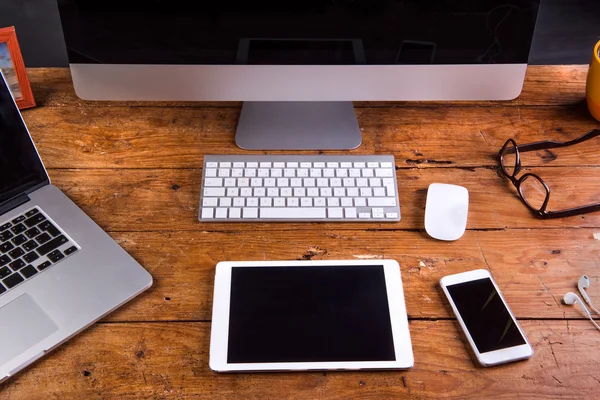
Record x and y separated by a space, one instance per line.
490 327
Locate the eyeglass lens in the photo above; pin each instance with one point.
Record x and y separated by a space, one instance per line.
533 191
509 158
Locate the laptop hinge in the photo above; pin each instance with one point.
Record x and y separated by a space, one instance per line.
13 203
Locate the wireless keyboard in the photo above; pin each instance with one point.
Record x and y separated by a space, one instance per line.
299 188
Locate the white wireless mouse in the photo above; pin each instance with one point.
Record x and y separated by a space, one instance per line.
446 211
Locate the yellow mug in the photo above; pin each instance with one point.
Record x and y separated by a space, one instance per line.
592 90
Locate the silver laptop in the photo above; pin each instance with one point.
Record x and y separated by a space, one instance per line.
59 271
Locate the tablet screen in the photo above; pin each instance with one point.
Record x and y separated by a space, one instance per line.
309 314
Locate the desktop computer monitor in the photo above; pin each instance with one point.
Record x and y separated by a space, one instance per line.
298 64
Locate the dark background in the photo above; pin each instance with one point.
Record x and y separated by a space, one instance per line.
565 34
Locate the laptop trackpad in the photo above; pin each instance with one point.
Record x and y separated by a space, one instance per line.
23 324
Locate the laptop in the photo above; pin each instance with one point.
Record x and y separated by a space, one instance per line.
59 271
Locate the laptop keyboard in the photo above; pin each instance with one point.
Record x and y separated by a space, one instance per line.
29 244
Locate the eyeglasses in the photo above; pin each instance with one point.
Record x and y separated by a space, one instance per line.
532 189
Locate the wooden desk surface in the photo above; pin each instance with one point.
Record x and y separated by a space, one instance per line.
135 168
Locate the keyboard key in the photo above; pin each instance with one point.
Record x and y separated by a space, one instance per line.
31 212
36 219
20 218
50 228
43 238
384 173
4 259
51 245
207 213
374 182
4 236
7 246
17 265
292 213
5 226
19 240
379 192
362 182
224 172
29 271
4 272
13 280
70 250
18 229
33 232
56 256
32 256
381 202
16 253
2 289
210 202
350 212
250 212
44 265
335 212
213 182
214 192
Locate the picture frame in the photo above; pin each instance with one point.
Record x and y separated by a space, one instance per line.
13 68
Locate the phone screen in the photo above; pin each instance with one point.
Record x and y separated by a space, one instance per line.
487 319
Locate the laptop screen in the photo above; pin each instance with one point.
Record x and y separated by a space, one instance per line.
20 166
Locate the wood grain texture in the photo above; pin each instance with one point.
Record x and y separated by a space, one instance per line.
177 137
167 199
136 168
170 360
534 268
544 85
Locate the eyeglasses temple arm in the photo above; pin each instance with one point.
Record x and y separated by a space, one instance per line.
551 144
572 211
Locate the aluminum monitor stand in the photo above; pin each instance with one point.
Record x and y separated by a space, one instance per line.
298 125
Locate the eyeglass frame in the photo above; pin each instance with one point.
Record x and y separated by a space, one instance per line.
543 145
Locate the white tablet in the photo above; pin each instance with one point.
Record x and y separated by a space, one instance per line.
309 315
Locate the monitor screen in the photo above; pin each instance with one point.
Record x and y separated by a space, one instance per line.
307 32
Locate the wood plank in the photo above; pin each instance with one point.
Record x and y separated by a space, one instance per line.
159 137
170 360
167 199
53 87
534 268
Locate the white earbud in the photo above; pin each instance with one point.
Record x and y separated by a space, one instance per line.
584 283
571 298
